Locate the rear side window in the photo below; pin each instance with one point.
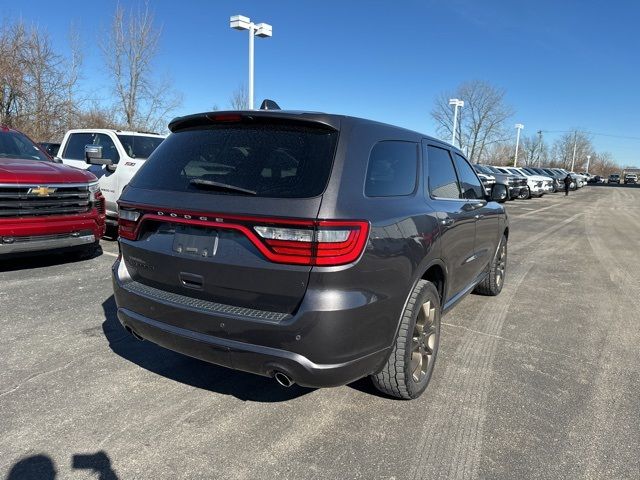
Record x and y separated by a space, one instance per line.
443 182
392 169
139 146
272 160
471 187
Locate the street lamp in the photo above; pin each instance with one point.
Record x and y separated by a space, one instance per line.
519 127
263 30
456 104
588 162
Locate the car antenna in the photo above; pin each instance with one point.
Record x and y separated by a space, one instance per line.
269 105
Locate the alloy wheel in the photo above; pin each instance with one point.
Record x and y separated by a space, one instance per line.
424 343
501 264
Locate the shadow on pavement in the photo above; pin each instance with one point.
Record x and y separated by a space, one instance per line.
42 467
45 259
190 371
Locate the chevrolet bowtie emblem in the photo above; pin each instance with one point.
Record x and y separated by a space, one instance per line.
42 191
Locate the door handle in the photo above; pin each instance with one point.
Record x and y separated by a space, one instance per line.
479 216
468 207
447 222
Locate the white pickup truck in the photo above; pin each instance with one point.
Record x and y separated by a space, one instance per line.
113 156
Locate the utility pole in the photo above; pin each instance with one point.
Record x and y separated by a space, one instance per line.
575 144
539 146
588 162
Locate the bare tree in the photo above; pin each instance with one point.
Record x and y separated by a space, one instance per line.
239 98
532 149
12 88
481 122
35 82
129 51
501 153
563 150
602 164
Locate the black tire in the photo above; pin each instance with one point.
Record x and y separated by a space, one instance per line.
405 375
493 283
524 194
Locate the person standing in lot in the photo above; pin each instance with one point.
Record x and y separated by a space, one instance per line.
567 184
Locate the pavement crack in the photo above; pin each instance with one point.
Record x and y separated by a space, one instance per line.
515 342
39 374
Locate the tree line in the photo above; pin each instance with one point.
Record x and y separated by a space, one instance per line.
485 133
40 88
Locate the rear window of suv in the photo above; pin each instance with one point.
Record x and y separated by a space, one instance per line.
281 161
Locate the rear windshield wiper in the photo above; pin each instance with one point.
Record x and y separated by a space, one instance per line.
201 183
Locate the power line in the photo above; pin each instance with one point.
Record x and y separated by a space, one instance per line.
593 133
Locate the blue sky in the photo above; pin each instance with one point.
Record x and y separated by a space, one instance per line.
564 64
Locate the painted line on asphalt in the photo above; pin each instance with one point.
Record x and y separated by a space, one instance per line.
110 254
536 211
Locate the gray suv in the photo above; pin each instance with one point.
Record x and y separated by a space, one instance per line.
313 248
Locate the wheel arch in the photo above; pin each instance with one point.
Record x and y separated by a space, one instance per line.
436 274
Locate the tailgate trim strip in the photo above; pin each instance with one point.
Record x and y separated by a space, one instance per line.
204 306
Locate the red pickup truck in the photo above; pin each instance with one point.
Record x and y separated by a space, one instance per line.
45 205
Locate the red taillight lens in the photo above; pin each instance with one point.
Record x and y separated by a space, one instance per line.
128 224
324 243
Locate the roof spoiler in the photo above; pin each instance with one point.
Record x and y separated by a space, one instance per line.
269 105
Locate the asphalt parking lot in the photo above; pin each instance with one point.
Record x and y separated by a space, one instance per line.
540 382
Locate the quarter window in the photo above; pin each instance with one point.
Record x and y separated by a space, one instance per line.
470 185
392 169
443 182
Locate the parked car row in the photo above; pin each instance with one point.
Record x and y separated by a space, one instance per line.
526 182
629 178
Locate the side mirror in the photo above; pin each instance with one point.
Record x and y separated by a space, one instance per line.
499 193
57 159
93 155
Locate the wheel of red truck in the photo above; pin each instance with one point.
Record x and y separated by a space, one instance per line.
408 369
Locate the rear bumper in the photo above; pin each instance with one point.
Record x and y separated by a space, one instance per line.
31 234
293 344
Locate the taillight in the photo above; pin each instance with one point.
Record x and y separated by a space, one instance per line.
128 223
324 243
298 242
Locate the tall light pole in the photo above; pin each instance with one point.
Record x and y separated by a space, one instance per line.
575 144
519 127
539 147
588 162
456 104
263 30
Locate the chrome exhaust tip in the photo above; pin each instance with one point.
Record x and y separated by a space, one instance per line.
133 333
283 379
